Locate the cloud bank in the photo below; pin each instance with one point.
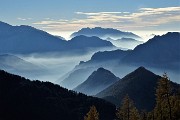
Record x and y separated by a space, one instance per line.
142 19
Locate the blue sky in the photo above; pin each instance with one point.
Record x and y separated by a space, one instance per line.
65 16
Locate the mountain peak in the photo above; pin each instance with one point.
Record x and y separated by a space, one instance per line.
141 69
101 69
139 85
140 72
97 81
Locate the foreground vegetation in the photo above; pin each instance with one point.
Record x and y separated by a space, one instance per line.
167 106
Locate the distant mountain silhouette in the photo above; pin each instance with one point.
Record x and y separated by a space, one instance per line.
97 81
75 77
160 54
22 99
105 33
82 71
160 50
26 39
126 43
84 42
140 85
109 55
16 65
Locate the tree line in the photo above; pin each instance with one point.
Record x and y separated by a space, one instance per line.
167 106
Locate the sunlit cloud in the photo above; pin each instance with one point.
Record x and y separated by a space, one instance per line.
98 13
142 19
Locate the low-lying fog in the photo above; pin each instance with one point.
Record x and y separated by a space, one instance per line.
52 67
55 66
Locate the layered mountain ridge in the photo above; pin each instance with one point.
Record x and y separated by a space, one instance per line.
140 85
97 81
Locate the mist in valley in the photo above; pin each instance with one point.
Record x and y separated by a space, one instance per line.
55 66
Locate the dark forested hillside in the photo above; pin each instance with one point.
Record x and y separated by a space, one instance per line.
22 99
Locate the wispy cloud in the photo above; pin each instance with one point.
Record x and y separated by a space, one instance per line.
97 13
144 18
23 19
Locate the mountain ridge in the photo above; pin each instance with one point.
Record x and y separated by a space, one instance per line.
140 85
104 33
97 81
21 97
28 40
156 48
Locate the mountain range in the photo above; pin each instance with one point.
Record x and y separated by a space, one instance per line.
140 85
105 33
160 50
103 56
156 51
22 99
84 69
160 54
83 42
96 82
26 40
107 76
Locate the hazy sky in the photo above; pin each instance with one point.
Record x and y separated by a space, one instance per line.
64 16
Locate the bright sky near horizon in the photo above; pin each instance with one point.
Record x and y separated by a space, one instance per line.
61 17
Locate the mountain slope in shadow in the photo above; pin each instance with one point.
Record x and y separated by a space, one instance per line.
96 82
140 85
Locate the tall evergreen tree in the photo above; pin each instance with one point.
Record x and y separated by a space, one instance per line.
143 115
150 115
92 114
175 103
127 111
167 104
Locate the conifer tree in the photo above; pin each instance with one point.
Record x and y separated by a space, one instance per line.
175 103
163 105
150 115
143 115
134 114
92 114
127 111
